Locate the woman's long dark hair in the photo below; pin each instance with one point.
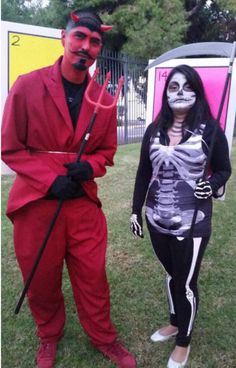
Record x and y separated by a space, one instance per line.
199 113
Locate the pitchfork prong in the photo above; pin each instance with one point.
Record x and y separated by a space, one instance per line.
120 84
98 104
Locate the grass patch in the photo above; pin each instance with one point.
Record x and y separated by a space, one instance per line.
137 287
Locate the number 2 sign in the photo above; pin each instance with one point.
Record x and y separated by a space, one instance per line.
38 50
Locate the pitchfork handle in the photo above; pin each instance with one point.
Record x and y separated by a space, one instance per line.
41 250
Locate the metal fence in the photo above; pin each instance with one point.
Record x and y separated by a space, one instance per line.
132 103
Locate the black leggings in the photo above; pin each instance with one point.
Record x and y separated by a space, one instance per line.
181 260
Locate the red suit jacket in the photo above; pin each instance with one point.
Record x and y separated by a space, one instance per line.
36 120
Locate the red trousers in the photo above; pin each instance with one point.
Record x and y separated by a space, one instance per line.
80 239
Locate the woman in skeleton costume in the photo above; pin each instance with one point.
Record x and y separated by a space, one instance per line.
173 156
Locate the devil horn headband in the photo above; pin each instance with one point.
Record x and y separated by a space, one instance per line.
105 28
76 19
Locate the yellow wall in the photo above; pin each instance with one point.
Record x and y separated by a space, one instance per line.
30 52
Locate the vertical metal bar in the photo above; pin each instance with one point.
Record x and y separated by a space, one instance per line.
125 60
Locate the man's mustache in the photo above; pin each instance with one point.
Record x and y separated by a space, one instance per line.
82 54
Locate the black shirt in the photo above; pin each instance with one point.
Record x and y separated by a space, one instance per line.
74 95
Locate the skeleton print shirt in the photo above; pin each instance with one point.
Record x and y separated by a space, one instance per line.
167 176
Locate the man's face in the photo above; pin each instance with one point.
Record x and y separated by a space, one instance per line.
180 95
81 47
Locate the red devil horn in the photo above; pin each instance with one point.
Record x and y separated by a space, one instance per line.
105 28
74 17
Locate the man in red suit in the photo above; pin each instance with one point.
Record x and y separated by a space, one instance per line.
44 122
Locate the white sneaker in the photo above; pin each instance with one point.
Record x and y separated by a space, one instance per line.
173 364
157 336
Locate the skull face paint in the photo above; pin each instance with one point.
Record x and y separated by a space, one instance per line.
180 95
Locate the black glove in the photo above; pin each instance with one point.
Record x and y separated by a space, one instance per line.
203 189
79 171
136 225
64 187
